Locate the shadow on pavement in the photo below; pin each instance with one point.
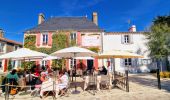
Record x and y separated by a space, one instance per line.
150 80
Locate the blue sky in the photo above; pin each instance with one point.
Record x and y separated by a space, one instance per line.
19 15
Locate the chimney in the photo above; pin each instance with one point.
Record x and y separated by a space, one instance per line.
132 28
1 33
95 18
41 18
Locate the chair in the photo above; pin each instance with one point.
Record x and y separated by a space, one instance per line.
104 84
66 90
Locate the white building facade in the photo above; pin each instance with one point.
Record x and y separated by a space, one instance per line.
134 42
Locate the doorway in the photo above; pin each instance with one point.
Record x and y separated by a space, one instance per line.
89 64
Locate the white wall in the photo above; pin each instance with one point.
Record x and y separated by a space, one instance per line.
113 41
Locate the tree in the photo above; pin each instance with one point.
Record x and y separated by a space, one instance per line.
9 65
159 39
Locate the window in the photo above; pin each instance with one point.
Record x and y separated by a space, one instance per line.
44 63
126 39
146 61
73 36
72 63
128 62
44 39
2 45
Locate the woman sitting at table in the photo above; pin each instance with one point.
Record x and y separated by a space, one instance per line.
63 82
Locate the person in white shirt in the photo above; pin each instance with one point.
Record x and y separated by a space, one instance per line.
63 81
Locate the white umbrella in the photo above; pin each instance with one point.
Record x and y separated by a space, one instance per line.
73 52
118 54
51 58
23 53
89 58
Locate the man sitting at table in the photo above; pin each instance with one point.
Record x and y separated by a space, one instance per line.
63 82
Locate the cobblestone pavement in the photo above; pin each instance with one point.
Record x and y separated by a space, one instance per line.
142 87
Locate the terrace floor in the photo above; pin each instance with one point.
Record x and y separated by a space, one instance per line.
142 87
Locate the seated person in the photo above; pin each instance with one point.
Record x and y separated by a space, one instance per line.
63 81
12 78
103 71
49 85
13 75
43 76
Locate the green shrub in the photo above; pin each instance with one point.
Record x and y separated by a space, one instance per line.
165 74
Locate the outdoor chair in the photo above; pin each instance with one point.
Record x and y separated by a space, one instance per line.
66 90
92 82
104 84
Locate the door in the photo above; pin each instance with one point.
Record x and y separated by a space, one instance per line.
89 64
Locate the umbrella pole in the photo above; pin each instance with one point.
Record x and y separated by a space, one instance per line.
76 91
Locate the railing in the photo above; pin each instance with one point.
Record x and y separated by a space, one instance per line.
122 81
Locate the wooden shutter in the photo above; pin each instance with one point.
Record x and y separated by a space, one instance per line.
79 38
131 38
38 38
49 39
122 39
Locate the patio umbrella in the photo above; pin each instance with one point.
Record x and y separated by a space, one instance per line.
51 58
73 52
82 58
118 54
23 53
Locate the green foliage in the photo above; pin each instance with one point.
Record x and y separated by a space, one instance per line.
72 42
94 49
158 43
162 20
59 40
159 39
57 64
9 65
27 65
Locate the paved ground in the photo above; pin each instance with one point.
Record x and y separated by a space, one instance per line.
142 87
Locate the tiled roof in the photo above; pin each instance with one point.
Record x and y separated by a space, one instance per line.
10 41
66 23
117 33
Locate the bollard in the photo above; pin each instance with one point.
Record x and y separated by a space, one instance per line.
127 81
158 77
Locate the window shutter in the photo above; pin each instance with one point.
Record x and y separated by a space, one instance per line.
38 37
122 39
79 38
131 38
49 39
122 63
